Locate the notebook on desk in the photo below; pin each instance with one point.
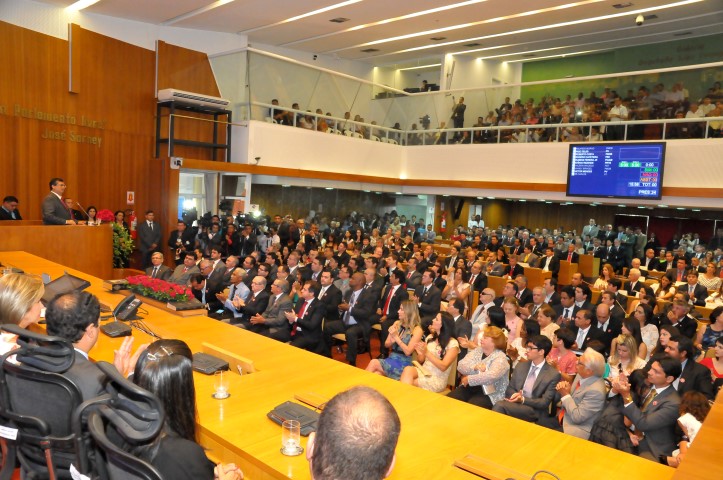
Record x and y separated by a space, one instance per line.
208 364
306 417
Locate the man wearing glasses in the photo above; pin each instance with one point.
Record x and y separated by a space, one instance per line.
584 399
532 385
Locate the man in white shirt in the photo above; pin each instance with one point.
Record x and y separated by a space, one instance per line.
618 113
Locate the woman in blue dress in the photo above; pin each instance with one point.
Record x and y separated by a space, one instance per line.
403 336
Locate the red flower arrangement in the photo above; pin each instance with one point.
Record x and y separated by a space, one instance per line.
158 289
105 215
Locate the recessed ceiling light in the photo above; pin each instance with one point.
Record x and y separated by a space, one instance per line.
680 208
522 200
367 191
622 205
480 198
695 210
663 206
339 20
641 206
285 186
431 65
445 195
370 50
81 4
490 198
398 193
548 202
329 188
438 39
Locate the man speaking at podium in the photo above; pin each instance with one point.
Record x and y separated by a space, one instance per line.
54 210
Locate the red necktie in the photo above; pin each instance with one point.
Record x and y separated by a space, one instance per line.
680 276
410 274
298 316
386 303
569 257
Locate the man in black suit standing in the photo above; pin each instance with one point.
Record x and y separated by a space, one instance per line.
695 290
157 269
149 237
9 209
428 298
694 377
388 307
306 319
181 240
532 385
54 210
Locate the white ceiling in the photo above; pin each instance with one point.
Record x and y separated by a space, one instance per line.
498 26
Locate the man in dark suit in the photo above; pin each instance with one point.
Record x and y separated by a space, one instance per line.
254 304
451 260
428 298
54 210
272 322
306 319
649 261
149 237
74 317
614 286
634 284
615 311
678 317
552 298
677 274
205 292
694 377
477 280
657 414
358 308
697 292
181 240
342 257
566 309
412 277
157 269
330 296
607 326
571 255
532 384
9 209
524 294
388 307
550 263
513 269
582 298
584 330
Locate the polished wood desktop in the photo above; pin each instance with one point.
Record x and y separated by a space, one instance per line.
436 430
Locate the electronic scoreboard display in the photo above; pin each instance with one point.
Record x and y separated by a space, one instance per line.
616 170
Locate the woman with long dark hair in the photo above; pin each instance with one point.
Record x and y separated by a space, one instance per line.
165 369
436 354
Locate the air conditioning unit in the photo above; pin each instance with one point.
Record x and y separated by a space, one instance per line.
206 101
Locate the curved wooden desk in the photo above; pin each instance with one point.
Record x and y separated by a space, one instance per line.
436 430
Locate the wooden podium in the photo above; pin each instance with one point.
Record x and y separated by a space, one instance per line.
84 248
589 266
567 270
536 277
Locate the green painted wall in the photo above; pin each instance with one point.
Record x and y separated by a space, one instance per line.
660 55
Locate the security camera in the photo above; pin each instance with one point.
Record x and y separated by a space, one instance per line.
639 20
315 57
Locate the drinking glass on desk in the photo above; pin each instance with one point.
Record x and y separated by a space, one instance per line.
220 384
291 438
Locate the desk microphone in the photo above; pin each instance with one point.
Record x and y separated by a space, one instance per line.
82 209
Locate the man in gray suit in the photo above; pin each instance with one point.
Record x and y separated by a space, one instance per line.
54 210
532 386
74 317
157 269
182 274
583 401
657 415
529 258
273 323
149 237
